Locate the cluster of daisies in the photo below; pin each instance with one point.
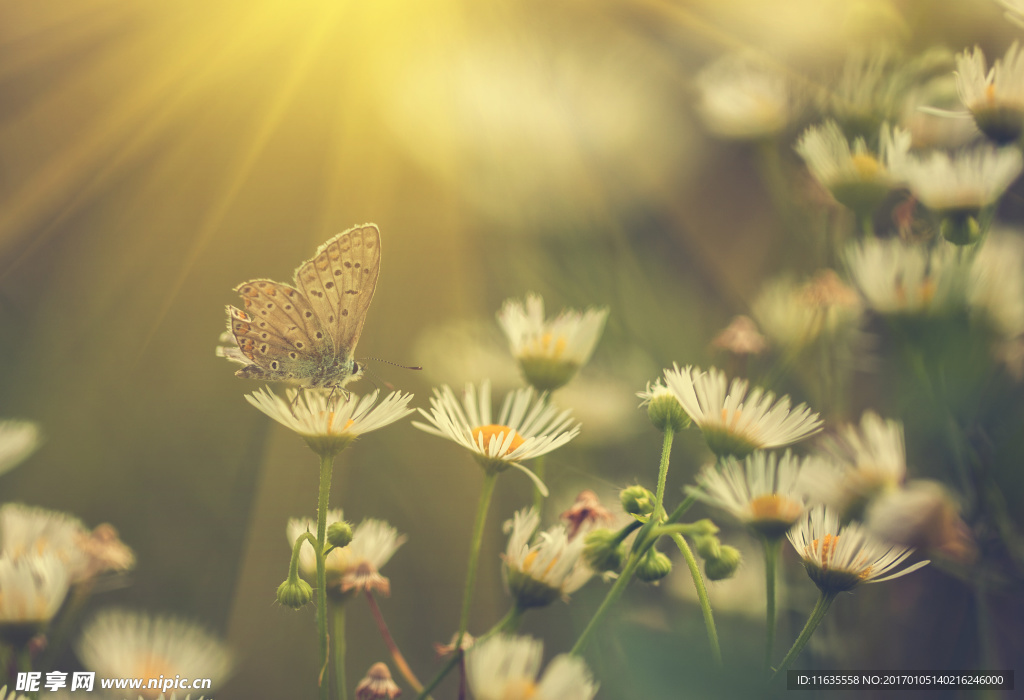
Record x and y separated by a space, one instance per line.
540 566
50 563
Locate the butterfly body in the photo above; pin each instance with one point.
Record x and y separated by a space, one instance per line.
306 334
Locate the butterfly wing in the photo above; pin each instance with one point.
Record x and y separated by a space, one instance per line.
278 332
339 282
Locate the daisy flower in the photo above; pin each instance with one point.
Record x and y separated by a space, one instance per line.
733 422
541 569
550 352
527 426
994 96
839 559
858 464
355 567
857 177
995 291
794 316
505 668
962 188
741 99
120 644
896 278
761 492
329 421
33 588
18 439
27 530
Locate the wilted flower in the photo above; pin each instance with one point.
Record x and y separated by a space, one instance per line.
377 684
740 337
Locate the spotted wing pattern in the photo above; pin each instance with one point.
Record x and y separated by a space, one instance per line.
278 332
339 282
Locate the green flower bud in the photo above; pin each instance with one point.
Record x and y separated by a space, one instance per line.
603 550
709 548
295 593
664 409
725 565
654 566
339 534
636 500
704 527
961 227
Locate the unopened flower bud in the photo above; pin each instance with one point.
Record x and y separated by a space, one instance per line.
294 593
663 408
709 548
636 500
654 566
725 565
603 550
339 534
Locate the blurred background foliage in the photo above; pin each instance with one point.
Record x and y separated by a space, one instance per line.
154 155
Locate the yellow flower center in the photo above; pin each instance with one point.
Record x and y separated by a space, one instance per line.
330 424
772 506
528 564
488 431
152 666
519 689
828 549
546 345
926 292
866 166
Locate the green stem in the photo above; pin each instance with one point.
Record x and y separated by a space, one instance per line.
867 226
640 546
339 651
538 466
609 600
666 450
702 596
474 553
772 548
326 467
681 509
820 608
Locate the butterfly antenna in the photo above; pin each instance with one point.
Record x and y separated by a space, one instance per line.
388 362
372 375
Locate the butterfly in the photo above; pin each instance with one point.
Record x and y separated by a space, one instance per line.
307 334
